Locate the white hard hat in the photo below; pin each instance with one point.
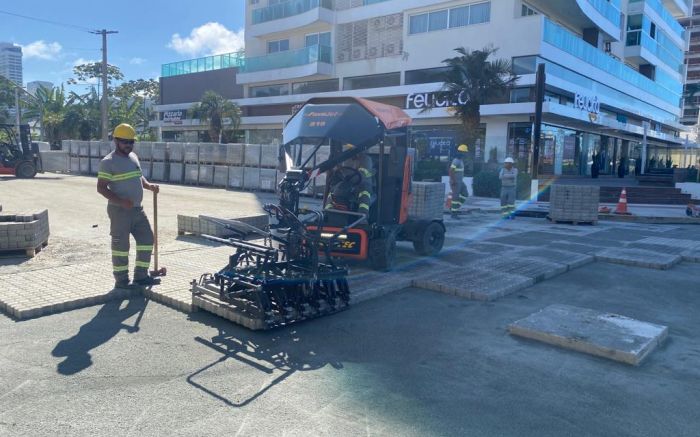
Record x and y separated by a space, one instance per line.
509 160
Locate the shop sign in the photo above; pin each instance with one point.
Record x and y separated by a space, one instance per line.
440 146
175 116
587 103
435 100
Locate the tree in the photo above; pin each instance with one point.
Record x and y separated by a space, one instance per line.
214 109
7 99
470 81
93 70
51 106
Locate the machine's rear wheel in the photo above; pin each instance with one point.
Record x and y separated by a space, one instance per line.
383 253
25 170
430 240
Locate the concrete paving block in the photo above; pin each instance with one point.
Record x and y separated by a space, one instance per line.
206 174
593 332
537 270
159 171
638 258
472 283
572 260
692 256
220 175
669 250
671 242
160 151
252 155
191 152
176 172
191 173
268 179
176 151
251 178
268 155
235 177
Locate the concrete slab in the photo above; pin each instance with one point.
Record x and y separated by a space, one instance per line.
537 270
569 246
671 242
692 256
638 258
473 283
668 250
572 260
597 333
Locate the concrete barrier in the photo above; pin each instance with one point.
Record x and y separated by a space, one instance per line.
55 161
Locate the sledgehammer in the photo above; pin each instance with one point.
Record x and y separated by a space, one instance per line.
156 271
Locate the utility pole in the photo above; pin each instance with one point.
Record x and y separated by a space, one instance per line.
18 114
104 106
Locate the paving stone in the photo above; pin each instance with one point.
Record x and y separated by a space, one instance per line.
473 283
597 333
639 258
536 269
692 256
669 250
568 246
460 257
572 260
671 242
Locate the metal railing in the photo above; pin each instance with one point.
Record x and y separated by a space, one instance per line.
289 58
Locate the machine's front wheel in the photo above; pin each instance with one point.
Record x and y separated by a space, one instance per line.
25 170
383 253
430 240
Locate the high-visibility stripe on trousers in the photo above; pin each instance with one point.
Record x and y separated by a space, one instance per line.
459 196
507 201
124 223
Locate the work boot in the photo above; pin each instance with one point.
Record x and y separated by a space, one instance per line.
123 284
456 216
148 281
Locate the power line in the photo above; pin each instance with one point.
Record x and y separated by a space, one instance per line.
42 20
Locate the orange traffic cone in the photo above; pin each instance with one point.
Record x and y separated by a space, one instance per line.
448 202
622 203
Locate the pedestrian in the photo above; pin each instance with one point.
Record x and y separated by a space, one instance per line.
595 166
121 182
621 167
457 185
509 181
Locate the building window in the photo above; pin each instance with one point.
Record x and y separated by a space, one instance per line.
450 18
316 86
281 45
525 65
527 10
269 90
314 39
427 75
521 95
372 81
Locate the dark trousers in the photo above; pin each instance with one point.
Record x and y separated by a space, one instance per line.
124 223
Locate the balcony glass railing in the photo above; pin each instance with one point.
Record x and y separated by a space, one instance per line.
286 59
288 9
341 5
608 10
640 38
572 44
657 6
207 63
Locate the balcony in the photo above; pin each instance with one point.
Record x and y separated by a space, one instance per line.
679 8
659 9
291 64
601 14
566 41
639 46
292 14
208 63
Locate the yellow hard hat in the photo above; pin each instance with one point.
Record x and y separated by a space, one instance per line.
463 148
125 132
348 146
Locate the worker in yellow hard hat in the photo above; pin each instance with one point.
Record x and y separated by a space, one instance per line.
121 181
457 185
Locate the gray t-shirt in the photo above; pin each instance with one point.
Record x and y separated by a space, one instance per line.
124 176
508 177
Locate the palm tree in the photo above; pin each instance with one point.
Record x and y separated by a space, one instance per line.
471 80
213 110
51 107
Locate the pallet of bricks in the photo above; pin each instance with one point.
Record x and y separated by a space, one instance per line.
28 232
176 165
575 204
84 156
427 200
190 157
159 162
144 151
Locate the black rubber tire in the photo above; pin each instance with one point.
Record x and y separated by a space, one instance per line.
383 253
25 170
430 240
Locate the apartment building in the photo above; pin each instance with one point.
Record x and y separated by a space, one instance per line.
692 60
614 69
11 62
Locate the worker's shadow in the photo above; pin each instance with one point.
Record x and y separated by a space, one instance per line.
282 351
107 323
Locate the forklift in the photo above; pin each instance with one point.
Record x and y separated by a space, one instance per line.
295 273
18 156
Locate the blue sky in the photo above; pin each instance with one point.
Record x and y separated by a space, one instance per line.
150 33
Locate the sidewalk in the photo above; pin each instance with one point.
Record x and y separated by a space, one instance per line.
640 212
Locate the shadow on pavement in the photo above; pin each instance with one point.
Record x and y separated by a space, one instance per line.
280 350
107 323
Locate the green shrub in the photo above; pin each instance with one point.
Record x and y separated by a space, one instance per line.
523 189
487 184
430 170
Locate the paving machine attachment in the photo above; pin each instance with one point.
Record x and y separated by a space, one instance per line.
293 272
18 155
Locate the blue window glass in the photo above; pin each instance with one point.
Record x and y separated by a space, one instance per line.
418 24
459 16
437 20
480 13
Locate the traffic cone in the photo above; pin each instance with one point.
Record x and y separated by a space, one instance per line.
448 202
622 203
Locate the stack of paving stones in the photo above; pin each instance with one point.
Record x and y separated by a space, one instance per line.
574 204
200 225
427 201
24 231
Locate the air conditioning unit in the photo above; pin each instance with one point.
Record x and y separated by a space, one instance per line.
373 52
342 56
390 49
377 23
359 53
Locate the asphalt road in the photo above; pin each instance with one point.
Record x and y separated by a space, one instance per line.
410 363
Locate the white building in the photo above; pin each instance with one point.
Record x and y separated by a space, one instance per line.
625 56
11 62
33 86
